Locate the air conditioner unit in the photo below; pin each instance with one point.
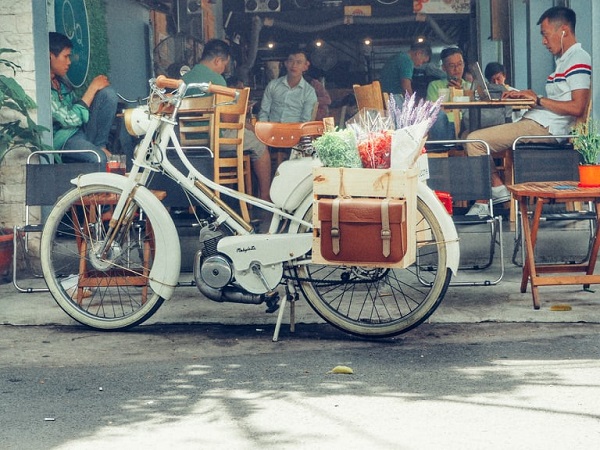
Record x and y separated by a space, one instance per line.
262 6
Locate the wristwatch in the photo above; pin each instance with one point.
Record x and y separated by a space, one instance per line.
538 100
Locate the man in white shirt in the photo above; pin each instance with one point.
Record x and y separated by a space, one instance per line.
289 98
566 99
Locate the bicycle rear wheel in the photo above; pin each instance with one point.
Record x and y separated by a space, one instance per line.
381 302
108 291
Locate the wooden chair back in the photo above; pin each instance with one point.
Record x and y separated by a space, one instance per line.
231 164
196 116
370 96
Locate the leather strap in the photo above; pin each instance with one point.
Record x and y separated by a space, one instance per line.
335 226
386 233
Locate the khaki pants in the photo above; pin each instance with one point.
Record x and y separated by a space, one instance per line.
501 137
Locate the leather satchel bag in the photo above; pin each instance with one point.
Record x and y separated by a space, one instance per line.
363 230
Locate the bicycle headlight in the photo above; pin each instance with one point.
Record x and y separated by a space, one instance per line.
137 120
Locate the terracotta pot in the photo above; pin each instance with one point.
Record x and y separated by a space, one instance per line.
6 251
589 175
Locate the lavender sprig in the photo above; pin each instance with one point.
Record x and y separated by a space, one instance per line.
412 112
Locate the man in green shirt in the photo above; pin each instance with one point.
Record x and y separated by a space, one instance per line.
454 66
212 65
397 73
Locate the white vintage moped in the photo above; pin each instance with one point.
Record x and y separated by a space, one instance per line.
121 242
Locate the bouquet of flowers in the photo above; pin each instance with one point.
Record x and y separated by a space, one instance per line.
338 149
412 121
373 130
380 139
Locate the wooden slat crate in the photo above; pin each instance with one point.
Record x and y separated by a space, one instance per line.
375 183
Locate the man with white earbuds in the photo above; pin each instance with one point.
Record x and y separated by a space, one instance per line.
566 99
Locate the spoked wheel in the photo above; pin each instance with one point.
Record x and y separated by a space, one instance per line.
99 281
379 302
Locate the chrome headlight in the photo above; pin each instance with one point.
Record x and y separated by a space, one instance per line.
137 120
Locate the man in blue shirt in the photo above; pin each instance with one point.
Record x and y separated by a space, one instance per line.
289 98
397 73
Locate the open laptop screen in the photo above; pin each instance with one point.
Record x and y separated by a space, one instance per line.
479 83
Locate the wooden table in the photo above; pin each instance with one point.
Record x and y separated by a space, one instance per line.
540 193
477 105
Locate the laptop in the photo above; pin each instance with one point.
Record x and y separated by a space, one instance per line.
481 86
479 83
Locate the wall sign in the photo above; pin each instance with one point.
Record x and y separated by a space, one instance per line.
71 19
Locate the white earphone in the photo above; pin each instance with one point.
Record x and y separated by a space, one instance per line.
563 33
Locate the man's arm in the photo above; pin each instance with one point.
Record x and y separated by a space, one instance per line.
67 114
265 105
406 84
309 105
575 107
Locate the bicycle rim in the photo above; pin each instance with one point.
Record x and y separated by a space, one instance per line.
379 302
107 291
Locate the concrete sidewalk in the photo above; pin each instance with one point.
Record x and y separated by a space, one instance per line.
502 302
465 304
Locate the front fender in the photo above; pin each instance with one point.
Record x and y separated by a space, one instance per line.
164 274
448 229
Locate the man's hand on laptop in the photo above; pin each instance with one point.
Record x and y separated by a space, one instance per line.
523 94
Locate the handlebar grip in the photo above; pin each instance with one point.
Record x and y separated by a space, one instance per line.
169 83
224 90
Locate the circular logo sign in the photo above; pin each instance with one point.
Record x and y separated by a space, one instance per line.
71 19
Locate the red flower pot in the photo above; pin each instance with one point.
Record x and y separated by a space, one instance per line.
589 175
6 251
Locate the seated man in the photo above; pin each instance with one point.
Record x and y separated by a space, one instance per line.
213 62
289 98
567 97
79 124
454 65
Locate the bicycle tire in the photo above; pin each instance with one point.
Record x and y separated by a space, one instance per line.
379 303
106 293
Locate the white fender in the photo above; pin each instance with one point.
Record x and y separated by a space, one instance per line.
446 223
164 274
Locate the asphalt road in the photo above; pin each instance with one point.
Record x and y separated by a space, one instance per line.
476 386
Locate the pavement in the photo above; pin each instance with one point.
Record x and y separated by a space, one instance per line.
502 302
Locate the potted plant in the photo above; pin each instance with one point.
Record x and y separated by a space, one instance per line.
587 142
17 129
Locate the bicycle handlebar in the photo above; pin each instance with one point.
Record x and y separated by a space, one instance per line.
162 82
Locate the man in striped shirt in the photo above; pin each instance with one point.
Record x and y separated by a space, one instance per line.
566 99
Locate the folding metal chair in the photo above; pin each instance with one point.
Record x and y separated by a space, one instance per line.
548 162
468 178
44 184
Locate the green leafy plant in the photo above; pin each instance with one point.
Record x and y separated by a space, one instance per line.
587 141
18 129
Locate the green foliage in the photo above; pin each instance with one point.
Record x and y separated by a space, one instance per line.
12 96
587 141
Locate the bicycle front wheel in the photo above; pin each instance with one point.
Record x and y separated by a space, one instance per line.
107 290
382 302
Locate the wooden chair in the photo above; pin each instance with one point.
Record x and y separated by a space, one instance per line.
370 96
231 164
196 116
529 142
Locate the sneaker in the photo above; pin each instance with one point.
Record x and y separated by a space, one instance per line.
479 209
500 194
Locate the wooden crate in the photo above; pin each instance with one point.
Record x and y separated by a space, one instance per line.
375 183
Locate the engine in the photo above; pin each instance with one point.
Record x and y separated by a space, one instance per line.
214 274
